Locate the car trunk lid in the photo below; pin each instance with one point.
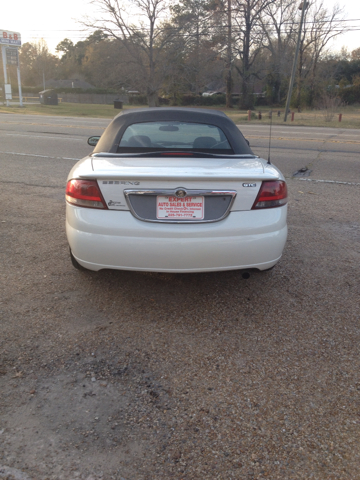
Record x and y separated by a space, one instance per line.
216 185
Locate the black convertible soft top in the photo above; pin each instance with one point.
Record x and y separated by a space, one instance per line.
110 139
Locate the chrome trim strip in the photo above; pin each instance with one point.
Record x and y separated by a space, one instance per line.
172 192
163 154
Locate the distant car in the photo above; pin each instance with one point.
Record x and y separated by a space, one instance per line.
210 94
174 190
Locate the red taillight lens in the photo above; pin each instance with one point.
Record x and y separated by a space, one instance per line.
84 193
272 194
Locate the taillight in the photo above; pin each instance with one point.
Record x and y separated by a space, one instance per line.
84 193
272 194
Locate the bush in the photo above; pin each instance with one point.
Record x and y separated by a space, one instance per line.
101 91
138 100
36 90
350 95
164 101
260 101
330 105
29 90
199 100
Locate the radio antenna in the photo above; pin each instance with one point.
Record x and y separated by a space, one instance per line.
271 115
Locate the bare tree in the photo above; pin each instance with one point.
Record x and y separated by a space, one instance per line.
192 19
146 38
320 26
248 36
277 23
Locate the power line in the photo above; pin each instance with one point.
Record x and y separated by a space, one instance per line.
205 34
293 23
209 29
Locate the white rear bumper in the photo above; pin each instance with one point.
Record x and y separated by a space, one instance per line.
115 239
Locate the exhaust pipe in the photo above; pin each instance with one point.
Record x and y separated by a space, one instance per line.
245 275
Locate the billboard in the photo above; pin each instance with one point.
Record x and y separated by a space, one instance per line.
10 38
12 56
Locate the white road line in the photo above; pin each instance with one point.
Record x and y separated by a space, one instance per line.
306 134
39 156
326 181
44 136
265 130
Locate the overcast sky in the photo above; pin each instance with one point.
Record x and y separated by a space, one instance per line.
35 20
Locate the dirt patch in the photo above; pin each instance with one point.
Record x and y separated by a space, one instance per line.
121 375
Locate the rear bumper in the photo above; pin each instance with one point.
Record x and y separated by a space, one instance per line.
115 239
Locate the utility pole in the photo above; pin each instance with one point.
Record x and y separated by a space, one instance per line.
303 6
229 60
19 85
3 51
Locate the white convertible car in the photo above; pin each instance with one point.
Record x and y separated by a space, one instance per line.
174 190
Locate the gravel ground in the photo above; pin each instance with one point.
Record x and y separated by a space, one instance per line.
133 376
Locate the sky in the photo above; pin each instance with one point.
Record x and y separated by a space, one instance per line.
35 20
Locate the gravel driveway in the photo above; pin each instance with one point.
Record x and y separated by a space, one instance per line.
134 376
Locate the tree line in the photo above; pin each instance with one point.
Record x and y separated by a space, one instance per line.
244 48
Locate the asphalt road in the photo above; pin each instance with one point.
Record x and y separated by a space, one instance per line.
123 375
331 154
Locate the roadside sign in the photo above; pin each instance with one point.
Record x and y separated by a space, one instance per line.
10 43
10 38
8 93
12 56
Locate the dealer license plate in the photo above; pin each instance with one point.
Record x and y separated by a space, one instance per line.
174 208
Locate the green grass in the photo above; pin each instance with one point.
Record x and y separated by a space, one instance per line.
315 118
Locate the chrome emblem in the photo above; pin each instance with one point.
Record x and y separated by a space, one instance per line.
249 184
180 193
119 182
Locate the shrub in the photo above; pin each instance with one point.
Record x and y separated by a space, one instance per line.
329 104
199 100
138 100
350 95
164 101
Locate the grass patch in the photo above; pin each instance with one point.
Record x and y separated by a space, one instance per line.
65 110
312 118
308 118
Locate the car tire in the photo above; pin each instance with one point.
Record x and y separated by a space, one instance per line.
75 263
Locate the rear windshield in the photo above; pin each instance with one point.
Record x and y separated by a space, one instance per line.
162 136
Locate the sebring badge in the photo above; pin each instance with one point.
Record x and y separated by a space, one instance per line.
119 182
